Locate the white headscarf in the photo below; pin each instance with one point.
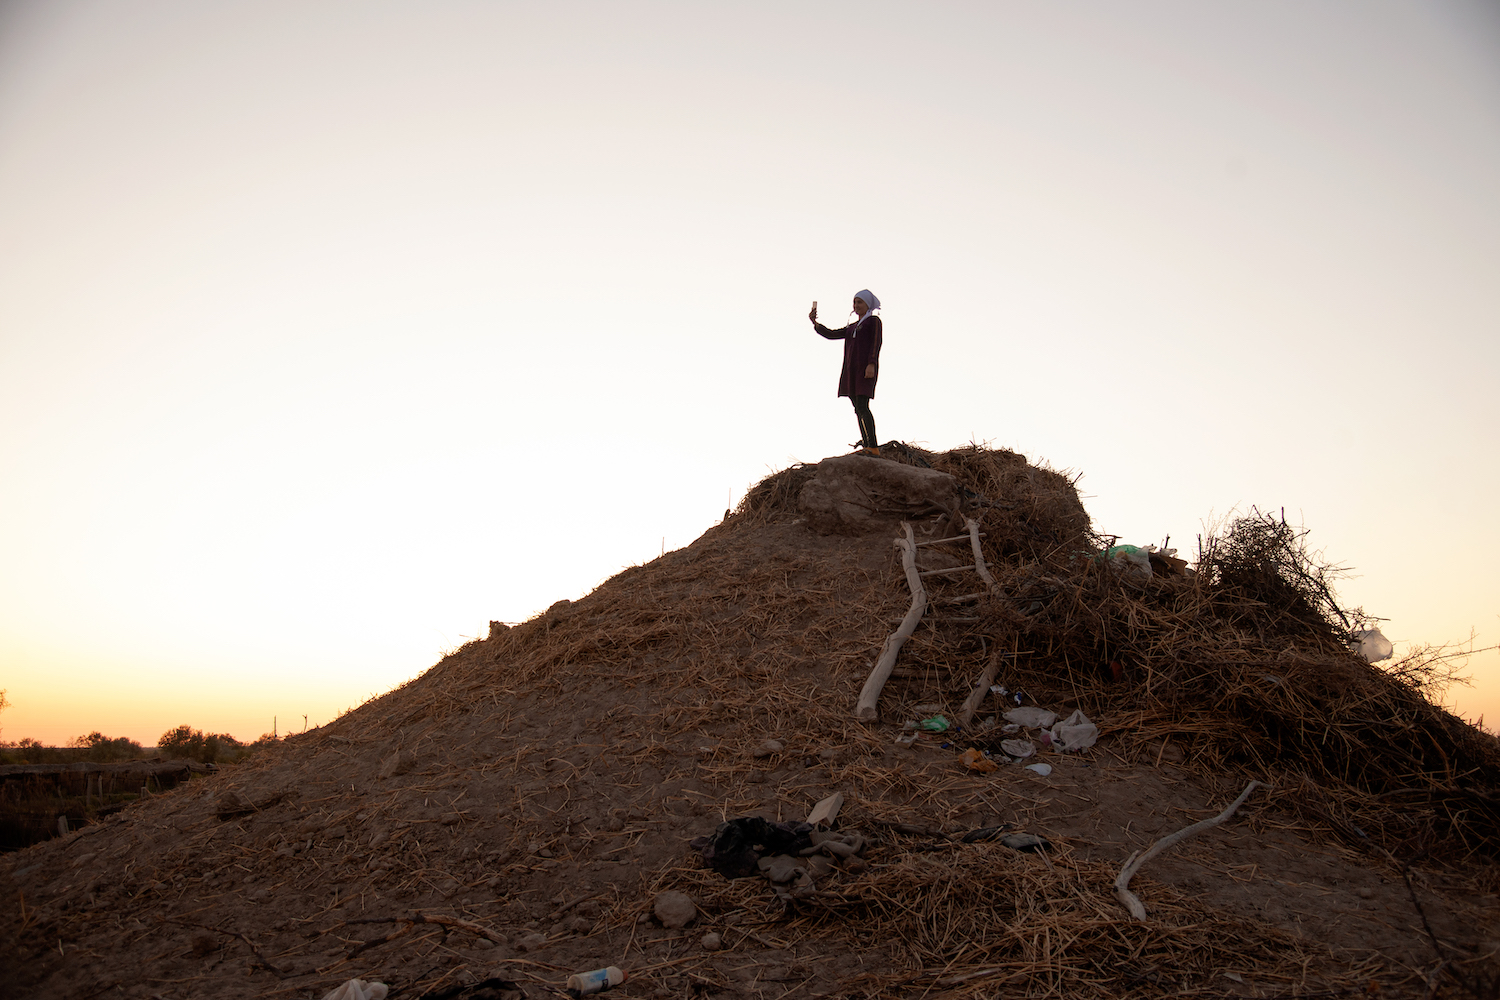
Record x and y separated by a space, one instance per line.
868 297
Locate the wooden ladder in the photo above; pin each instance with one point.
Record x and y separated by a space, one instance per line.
865 709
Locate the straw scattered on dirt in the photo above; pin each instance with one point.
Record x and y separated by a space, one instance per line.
514 811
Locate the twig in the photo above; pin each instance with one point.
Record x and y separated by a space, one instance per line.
466 925
1133 863
260 958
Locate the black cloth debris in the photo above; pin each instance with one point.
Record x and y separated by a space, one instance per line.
735 847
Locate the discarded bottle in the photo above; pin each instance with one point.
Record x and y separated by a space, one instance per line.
597 981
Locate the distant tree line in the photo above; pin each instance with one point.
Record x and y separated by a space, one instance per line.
182 742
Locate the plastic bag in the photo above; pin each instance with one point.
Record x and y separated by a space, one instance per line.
358 989
1371 645
1131 560
1075 733
1018 748
1031 716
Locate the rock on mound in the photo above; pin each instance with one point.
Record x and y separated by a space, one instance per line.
518 811
858 495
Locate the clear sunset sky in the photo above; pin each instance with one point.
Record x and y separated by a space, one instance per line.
331 331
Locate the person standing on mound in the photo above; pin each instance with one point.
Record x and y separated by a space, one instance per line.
861 362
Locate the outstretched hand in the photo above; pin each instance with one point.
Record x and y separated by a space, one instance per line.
814 314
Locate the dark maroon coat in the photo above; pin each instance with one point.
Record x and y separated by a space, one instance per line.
861 348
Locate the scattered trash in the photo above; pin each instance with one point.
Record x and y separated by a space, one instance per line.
1130 560
1010 727
837 845
783 868
1076 733
1031 717
907 738
731 850
998 689
1371 645
597 981
975 760
936 724
358 989
1028 842
1018 748
826 811
1042 769
791 856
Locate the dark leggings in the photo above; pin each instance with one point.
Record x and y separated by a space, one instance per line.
866 421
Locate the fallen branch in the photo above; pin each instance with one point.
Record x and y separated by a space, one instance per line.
464 925
406 925
869 695
1133 863
259 956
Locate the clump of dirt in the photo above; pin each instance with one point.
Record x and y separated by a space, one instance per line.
515 812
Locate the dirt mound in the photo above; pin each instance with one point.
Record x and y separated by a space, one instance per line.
516 811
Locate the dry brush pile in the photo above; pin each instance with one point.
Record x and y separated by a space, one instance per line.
1246 661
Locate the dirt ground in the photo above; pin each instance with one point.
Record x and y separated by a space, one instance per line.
515 812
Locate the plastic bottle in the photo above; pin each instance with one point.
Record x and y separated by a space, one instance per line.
597 981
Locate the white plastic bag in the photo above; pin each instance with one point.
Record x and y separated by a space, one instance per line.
1371 645
1076 732
1018 748
1031 716
358 989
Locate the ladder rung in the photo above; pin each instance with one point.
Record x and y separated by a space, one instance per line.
940 541
955 569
